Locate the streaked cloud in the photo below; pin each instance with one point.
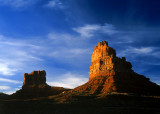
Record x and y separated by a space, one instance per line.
91 30
56 4
5 69
63 38
17 3
142 55
9 81
144 50
69 80
139 51
87 30
69 49
15 54
4 87
69 53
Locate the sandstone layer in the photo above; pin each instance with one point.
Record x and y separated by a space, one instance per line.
109 73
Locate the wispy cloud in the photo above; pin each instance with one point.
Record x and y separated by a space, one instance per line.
87 30
6 69
4 87
69 80
137 51
15 54
69 53
91 30
17 3
142 55
62 38
56 4
10 81
69 48
143 51
118 36
19 55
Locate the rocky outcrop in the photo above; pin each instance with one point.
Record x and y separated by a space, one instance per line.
109 73
104 62
34 85
35 78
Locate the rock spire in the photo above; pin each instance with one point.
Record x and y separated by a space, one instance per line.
109 73
104 61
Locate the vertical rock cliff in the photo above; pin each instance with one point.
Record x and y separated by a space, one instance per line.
109 73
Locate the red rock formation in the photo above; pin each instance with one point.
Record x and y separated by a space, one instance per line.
35 78
34 85
109 73
104 62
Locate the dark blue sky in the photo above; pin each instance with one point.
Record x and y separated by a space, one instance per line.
59 36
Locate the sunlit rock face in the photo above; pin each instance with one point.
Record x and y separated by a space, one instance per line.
35 78
105 63
109 73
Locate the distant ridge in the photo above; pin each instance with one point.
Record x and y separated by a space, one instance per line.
3 95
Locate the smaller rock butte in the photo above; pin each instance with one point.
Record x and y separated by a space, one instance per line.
35 78
34 85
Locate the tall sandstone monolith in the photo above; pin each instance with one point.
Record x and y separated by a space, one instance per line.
105 63
109 73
